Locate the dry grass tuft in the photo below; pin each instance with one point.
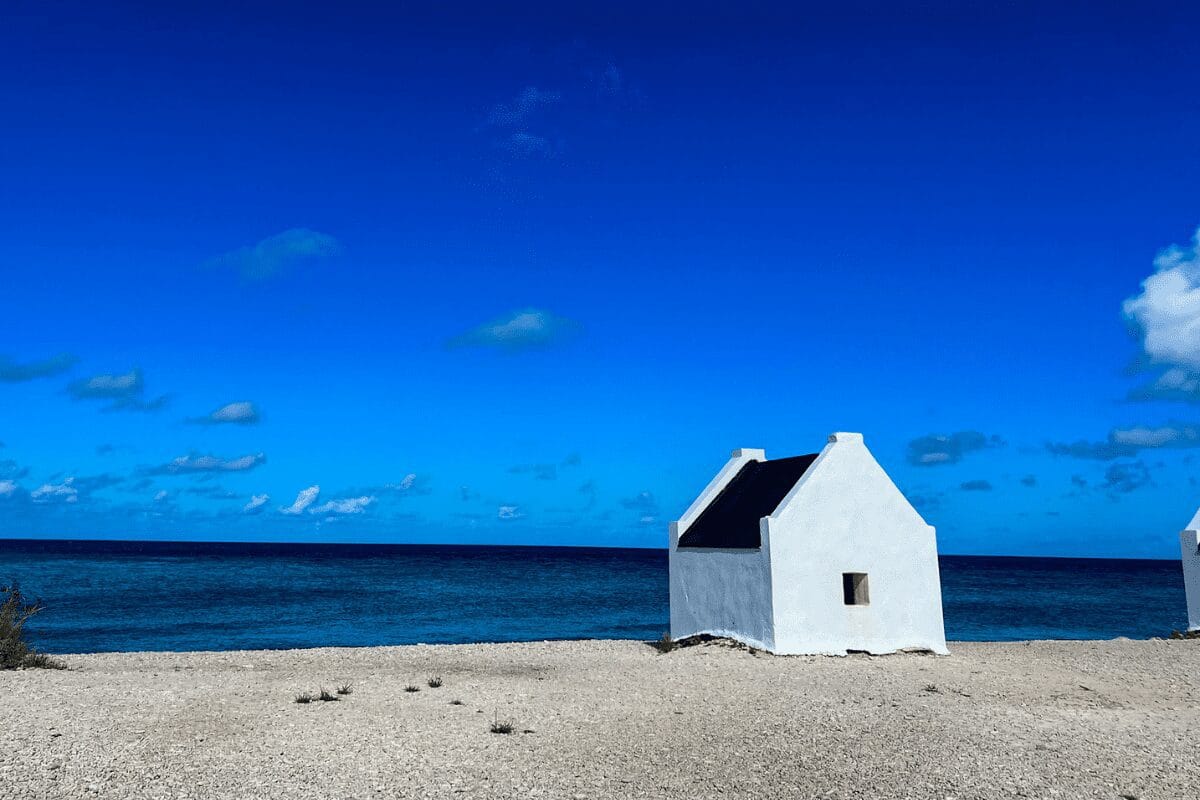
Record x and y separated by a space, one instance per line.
15 652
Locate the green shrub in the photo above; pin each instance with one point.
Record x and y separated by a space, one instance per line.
15 652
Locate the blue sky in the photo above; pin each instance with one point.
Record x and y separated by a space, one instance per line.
456 275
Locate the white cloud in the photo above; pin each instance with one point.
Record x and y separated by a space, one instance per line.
162 495
509 512
1173 435
108 387
518 331
242 412
516 114
1168 310
304 499
350 505
8 488
256 504
124 390
56 492
406 483
276 253
937 448
192 464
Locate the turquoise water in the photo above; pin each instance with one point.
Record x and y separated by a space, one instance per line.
120 596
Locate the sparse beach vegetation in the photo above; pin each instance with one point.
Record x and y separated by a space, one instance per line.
15 651
504 726
434 682
410 688
345 688
664 644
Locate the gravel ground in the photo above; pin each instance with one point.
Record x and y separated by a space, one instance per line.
608 720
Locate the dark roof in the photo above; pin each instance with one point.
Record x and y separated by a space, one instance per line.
731 519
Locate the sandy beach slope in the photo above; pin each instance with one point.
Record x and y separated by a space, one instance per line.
610 719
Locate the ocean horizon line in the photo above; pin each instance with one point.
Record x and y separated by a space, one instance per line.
143 543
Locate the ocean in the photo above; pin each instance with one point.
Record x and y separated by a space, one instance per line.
104 596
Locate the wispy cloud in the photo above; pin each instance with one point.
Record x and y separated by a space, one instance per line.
509 513
138 404
194 464
1173 435
1097 451
520 330
307 498
1125 478
936 448
1175 384
8 488
349 505
242 412
13 372
276 253
408 483
64 492
108 387
123 391
526 145
256 504
304 499
1128 442
517 113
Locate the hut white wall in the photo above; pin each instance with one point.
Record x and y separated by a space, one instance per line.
722 593
716 591
846 515
1189 545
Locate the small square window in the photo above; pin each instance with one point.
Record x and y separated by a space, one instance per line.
855 590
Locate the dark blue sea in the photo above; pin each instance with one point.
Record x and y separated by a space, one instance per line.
114 596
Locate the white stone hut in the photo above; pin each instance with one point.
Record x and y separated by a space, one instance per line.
811 554
1189 545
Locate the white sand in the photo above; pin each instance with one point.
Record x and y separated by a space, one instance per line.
611 719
